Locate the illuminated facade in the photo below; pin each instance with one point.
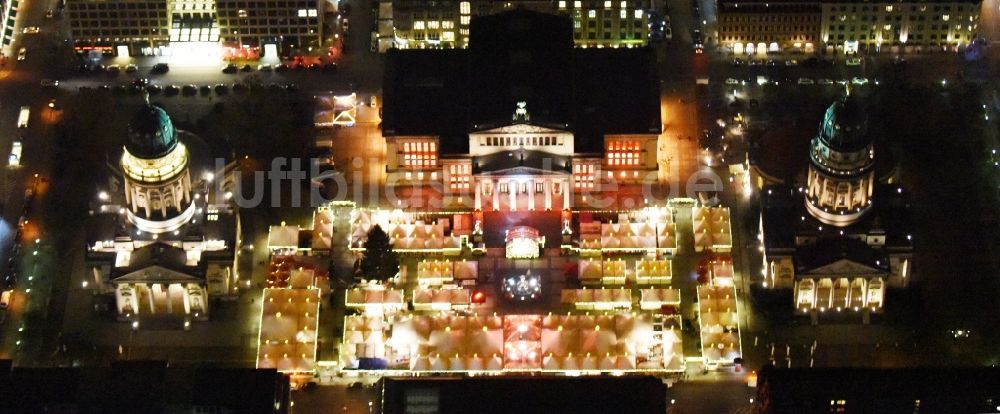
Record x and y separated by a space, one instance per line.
155 169
756 28
408 24
165 243
177 27
842 167
839 237
889 26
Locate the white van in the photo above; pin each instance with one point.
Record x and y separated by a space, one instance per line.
22 117
14 159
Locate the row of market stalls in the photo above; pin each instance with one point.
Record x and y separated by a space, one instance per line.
712 229
373 299
622 299
618 272
650 230
615 342
413 232
297 279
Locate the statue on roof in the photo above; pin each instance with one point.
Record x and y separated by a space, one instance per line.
521 112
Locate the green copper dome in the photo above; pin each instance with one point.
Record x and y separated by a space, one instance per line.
845 126
150 133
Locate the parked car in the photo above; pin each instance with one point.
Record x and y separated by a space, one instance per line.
230 69
853 61
806 81
131 68
264 68
160 68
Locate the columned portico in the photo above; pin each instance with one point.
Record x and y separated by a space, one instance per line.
521 190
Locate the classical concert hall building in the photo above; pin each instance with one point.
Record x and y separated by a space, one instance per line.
839 236
160 239
521 120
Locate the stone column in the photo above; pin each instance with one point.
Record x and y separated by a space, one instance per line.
496 194
150 292
512 190
547 184
531 195
566 190
479 195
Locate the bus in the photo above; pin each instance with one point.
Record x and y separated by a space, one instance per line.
22 117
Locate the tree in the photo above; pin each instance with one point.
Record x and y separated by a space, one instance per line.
379 262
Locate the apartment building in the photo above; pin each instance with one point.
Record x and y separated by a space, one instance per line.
758 27
419 24
164 27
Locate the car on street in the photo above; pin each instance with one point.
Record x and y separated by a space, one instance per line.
738 62
5 298
154 89
281 68
141 82
160 68
230 69
791 62
189 90
171 90
264 68
205 89
49 83
22 53
221 89
806 81
731 81
31 30
114 69
246 68
853 61
131 68
330 67
49 14
859 81
14 158
54 104
825 81
697 42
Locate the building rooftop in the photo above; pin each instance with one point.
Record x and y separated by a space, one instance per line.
151 134
883 391
143 387
525 395
521 56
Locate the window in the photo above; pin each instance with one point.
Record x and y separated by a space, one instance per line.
503 188
419 155
583 175
638 14
622 153
539 187
418 25
577 4
465 7
433 24
607 4
562 4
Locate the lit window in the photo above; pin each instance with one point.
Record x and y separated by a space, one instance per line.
433 24
448 36
418 25
465 7
577 4
623 14
888 8
303 12
464 21
562 4
638 14
447 24
313 13
607 4
592 14
945 17
241 13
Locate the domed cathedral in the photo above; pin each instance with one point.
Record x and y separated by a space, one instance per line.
163 233
157 180
840 236
842 166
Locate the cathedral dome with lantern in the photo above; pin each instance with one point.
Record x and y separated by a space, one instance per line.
841 169
155 168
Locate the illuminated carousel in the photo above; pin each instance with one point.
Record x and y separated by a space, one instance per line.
522 287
